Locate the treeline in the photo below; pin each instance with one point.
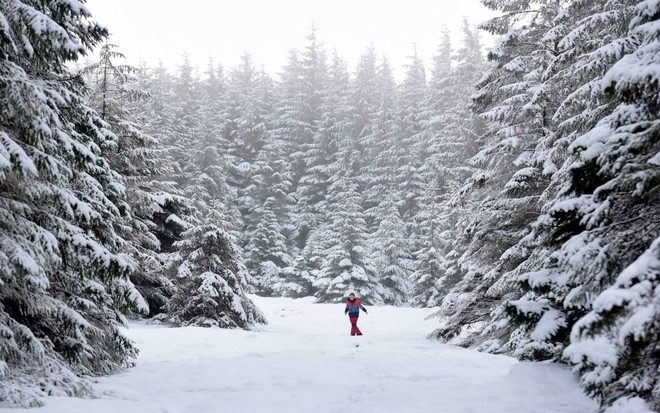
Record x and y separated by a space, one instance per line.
328 181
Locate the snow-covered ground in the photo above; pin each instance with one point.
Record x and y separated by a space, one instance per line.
305 361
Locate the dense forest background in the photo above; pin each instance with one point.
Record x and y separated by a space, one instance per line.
516 192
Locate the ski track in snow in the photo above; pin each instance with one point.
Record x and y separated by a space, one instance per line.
305 361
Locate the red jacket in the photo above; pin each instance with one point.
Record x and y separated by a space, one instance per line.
353 308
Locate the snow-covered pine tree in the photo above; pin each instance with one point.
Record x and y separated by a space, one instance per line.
363 106
310 161
514 99
212 157
299 279
115 95
443 172
384 144
625 317
211 279
435 218
157 116
63 285
261 176
186 118
267 253
391 256
290 130
409 180
615 346
347 265
596 276
205 162
333 130
600 214
245 125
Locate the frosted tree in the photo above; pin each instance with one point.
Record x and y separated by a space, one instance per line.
267 252
384 144
363 105
211 279
215 150
581 236
613 347
391 256
447 147
245 123
309 160
429 266
502 195
64 286
206 163
603 219
299 279
116 96
157 117
333 130
347 265
186 118
408 178
443 172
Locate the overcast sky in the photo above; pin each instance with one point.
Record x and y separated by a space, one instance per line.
154 30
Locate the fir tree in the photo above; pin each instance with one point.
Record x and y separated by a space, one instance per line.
267 252
391 257
211 279
115 95
502 195
347 265
64 283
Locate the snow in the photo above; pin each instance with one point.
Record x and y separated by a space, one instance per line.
600 350
548 325
629 405
345 263
304 360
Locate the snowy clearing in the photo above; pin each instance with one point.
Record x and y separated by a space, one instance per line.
305 361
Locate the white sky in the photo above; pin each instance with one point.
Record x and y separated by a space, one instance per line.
153 30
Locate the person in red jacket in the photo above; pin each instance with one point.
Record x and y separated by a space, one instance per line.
353 307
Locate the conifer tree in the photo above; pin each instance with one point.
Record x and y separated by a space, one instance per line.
211 279
502 195
391 256
601 222
443 172
267 252
409 160
64 284
333 130
347 265
115 95
380 175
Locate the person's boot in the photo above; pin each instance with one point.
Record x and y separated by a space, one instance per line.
359 334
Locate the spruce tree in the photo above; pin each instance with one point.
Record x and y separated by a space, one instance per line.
600 226
267 253
391 256
502 195
347 265
211 279
578 242
64 284
115 95
408 178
